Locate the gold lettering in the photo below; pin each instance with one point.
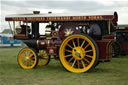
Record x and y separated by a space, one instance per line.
98 17
101 18
58 18
84 17
94 17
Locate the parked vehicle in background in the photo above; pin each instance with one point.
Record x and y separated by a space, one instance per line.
6 40
120 46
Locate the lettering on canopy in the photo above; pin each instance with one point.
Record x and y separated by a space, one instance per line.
63 18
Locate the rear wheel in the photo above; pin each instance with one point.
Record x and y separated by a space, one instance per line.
27 58
44 59
78 53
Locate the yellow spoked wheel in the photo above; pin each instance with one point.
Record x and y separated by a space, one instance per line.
78 53
44 59
27 58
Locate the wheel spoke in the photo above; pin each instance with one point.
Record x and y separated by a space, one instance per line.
23 60
82 44
73 43
69 51
25 53
88 51
86 46
69 46
68 55
31 55
74 63
86 60
27 63
83 63
32 58
78 63
70 60
89 56
78 42
32 61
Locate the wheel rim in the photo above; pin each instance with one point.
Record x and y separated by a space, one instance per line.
77 53
27 58
43 58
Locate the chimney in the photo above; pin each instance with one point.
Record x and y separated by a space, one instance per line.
36 12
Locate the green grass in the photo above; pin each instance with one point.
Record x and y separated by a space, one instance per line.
111 73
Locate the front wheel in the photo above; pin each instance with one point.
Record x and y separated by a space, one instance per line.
78 53
27 58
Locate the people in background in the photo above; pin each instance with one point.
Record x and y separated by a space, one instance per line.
95 31
21 29
51 25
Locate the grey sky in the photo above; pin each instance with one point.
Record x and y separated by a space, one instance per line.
63 6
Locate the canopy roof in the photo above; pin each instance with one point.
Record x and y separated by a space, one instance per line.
123 27
59 17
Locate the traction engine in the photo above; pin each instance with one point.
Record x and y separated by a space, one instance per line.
71 39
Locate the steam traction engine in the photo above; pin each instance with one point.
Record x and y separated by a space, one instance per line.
66 38
120 46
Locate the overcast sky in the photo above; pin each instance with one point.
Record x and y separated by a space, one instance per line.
63 6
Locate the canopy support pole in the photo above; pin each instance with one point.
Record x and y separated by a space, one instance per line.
26 29
14 27
109 27
10 28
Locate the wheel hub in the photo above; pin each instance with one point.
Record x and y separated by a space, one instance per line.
78 53
27 58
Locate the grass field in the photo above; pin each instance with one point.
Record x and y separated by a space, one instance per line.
112 73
